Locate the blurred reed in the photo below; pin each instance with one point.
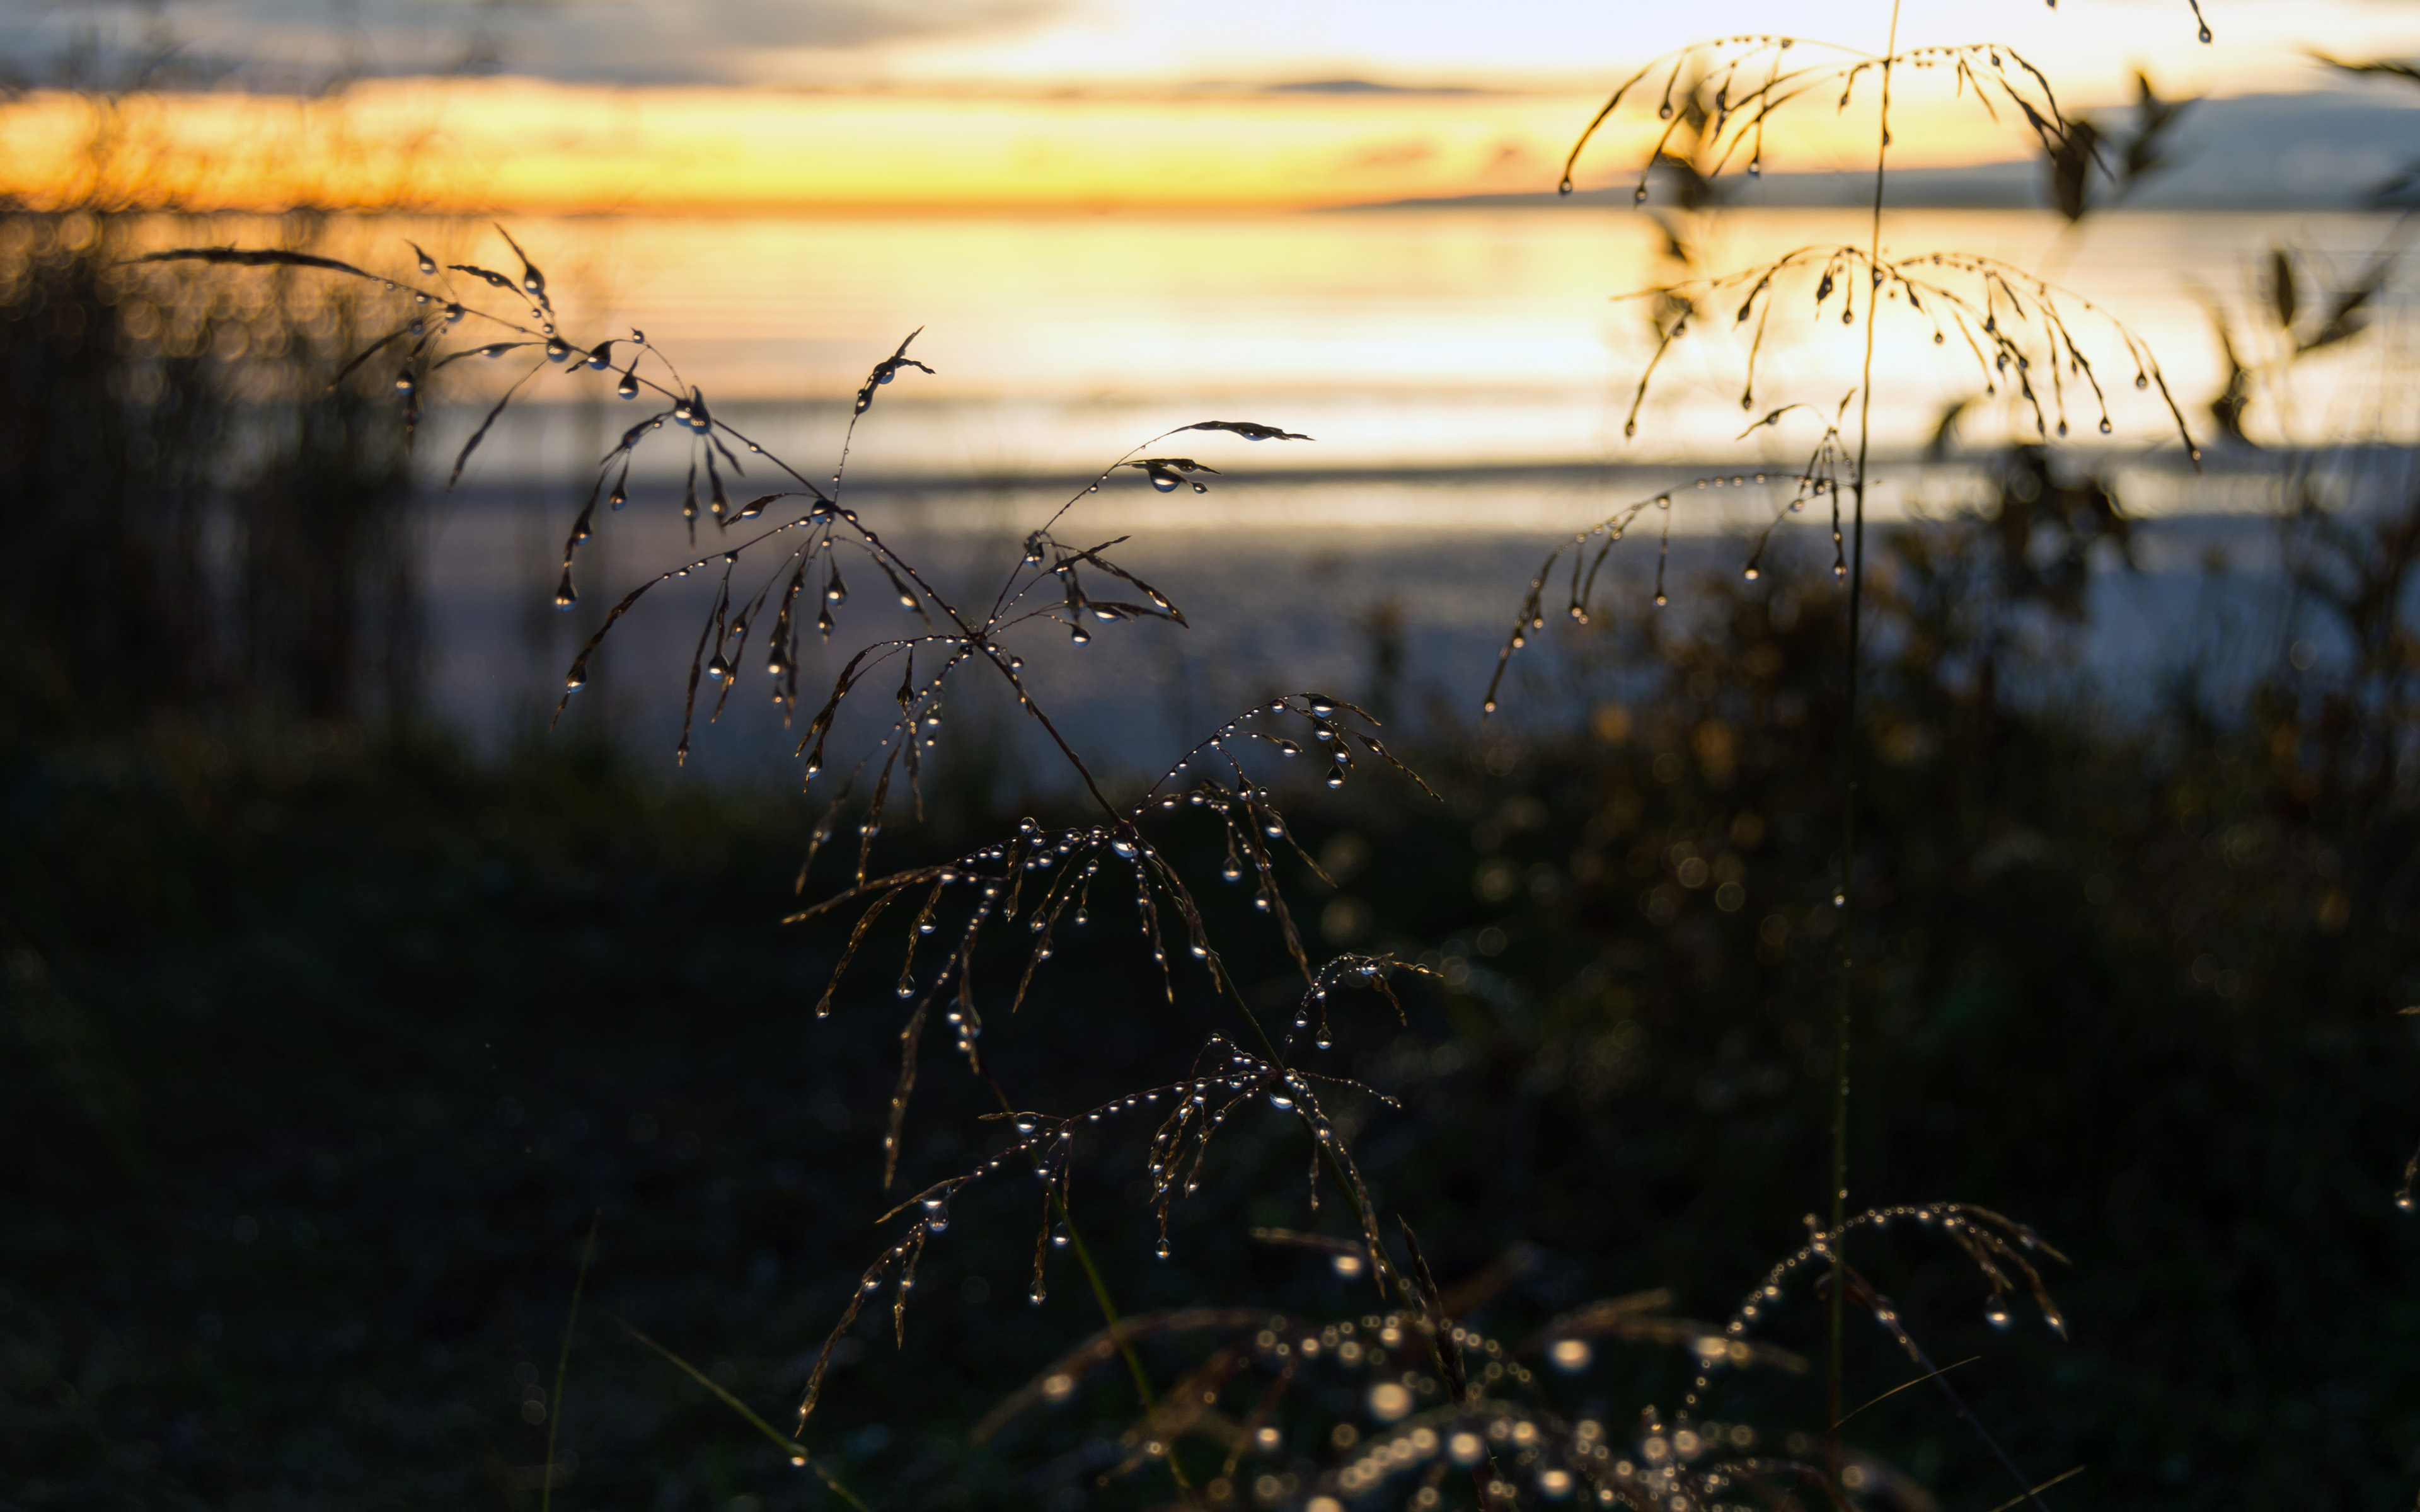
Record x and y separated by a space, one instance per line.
194 522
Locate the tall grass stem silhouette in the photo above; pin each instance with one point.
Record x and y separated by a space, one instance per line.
1837 1319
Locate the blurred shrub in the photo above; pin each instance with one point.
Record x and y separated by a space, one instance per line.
192 523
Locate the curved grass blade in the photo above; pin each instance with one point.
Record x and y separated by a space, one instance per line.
797 1451
481 434
252 257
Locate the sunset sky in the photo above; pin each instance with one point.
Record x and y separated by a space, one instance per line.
990 104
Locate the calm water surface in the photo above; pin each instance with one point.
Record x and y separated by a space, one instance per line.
1466 372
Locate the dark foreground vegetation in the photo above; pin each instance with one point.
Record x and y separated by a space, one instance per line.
321 1045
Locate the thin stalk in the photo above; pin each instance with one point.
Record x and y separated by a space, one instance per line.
1093 1278
1848 775
563 1364
1100 1286
788 1445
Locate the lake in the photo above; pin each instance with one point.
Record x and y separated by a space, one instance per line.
1466 373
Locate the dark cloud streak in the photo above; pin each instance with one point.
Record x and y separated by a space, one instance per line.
285 44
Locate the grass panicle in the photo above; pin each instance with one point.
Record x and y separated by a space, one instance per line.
1038 883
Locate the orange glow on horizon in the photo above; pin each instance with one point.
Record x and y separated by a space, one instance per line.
522 144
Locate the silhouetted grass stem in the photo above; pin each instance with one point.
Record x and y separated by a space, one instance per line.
797 1451
563 1364
1848 775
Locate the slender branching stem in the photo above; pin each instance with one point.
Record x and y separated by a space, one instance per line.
1849 774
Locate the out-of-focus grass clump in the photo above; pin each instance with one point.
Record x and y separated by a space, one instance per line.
192 519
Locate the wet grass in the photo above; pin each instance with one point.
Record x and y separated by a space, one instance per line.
332 1050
